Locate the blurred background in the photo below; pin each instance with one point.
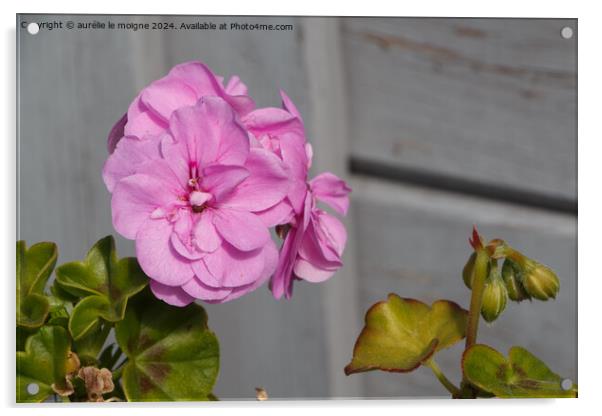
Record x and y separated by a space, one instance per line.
437 124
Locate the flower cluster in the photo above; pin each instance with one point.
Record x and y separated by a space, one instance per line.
198 176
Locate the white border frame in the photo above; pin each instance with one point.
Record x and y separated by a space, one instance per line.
589 138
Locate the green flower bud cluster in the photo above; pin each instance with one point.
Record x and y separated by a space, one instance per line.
529 278
520 278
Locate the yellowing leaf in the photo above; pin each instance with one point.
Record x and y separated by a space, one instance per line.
400 334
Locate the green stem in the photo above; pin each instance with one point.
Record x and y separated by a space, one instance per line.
476 299
455 391
474 313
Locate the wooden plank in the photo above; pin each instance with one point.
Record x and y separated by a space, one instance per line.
329 137
414 242
492 100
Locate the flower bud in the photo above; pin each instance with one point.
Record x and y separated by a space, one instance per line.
468 271
513 280
494 295
540 281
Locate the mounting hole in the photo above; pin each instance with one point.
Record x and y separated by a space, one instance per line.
33 389
566 32
566 384
33 28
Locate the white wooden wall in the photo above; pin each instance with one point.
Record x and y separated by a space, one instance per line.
433 121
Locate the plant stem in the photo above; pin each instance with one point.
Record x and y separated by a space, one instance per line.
455 391
474 313
476 299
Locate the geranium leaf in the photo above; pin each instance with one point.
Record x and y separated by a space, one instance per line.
42 364
34 266
106 284
522 375
401 334
89 346
171 353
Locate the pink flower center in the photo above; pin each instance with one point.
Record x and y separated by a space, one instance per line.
196 197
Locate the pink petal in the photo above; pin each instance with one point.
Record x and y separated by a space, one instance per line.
136 107
205 83
182 239
297 194
198 77
206 236
318 252
190 127
236 86
331 190
176 156
289 106
194 287
166 95
211 133
266 185
330 231
173 295
157 257
184 248
144 124
129 154
232 267
271 260
221 180
275 122
116 133
295 159
203 274
134 199
307 271
281 213
282 278
282 281
242 229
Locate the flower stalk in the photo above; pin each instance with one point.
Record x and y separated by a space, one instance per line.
476 299
451 387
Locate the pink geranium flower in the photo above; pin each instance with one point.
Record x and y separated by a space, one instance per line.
183 86
192 200
313 239
198 175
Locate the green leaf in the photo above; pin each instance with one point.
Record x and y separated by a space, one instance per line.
522 375
59 311
34 266
42 364
106 284
401 334
89 346
22 334
172 355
